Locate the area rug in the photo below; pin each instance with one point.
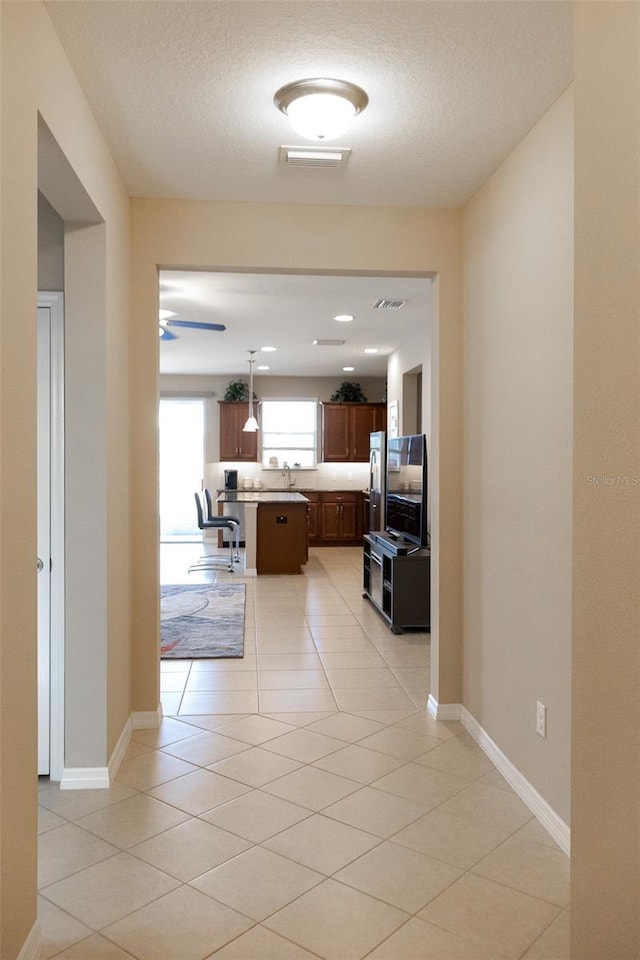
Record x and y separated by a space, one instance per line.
201 620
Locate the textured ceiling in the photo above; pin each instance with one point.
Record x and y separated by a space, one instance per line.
183 92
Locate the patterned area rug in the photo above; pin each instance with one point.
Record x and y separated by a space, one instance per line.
201 620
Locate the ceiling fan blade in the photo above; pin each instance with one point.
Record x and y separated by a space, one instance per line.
167 335
194 325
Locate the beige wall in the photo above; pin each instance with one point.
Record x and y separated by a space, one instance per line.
518 249
50 247
605 770
174 234
415 353
36 77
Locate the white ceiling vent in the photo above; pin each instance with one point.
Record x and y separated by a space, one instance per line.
389 304
314 156
328 343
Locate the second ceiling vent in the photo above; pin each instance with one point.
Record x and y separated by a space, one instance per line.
388 304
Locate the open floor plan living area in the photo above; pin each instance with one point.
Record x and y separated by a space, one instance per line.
388 352
299 802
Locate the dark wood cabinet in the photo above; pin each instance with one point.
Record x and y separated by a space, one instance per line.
313 515
341 517
335 432
346 428
334 517
234 443
281 537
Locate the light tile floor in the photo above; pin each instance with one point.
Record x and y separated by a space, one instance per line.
300 803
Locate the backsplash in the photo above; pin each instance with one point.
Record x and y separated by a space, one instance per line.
327 476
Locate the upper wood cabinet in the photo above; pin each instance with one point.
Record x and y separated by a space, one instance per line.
346 428
234 443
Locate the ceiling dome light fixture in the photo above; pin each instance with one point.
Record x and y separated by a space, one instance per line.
251 426
321 108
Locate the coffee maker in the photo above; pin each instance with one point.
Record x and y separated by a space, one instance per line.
231 479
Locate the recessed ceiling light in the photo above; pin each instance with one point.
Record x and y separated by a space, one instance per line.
262 366
344 318
268 349
371 350
165 314
348 369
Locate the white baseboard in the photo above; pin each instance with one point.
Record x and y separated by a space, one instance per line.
99 778
443 711
146 719
120 749
539 807
85 778
32 945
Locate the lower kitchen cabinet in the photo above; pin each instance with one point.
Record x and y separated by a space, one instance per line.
281 537
335 517
340 514
313 515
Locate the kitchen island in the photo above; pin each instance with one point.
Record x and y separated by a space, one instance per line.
275 529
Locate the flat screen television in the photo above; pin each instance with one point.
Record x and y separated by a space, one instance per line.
406 498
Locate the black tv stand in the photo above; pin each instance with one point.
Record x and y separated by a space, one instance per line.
394 542
396 579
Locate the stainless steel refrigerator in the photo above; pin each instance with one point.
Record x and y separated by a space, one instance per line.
377 479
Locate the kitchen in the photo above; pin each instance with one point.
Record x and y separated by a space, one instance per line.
384 349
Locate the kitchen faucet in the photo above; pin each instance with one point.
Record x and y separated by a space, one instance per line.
286 472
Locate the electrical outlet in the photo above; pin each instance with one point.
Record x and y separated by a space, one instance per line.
541 719
349 476
334 475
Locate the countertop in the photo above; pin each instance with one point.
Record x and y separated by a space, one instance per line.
297 489
260 496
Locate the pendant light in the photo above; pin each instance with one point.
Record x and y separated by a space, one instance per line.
251 426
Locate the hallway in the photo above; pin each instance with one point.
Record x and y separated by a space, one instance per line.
300 803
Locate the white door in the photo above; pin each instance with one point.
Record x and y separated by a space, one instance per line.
50 534
44 538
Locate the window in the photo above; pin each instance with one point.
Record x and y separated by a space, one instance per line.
289 433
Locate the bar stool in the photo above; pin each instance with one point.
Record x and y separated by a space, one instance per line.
227 521
232 524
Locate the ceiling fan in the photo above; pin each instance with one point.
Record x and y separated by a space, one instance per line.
166 322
